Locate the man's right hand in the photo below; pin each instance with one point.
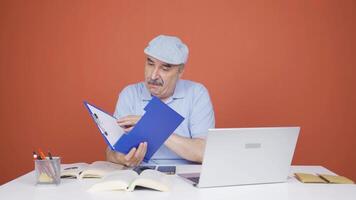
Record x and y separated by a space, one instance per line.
133 158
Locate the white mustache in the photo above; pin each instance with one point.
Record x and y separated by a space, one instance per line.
157 82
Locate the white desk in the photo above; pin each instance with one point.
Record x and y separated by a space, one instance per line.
24 188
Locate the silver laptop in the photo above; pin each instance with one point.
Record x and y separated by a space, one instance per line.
240 156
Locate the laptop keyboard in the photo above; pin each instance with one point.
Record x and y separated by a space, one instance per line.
194 179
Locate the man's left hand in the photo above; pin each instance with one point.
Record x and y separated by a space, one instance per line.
128 122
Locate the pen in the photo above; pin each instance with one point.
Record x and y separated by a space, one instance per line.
49 168
53 165
43 157
34 155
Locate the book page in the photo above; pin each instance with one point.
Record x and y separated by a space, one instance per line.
98 169
118 180
72 170
107 124
152 179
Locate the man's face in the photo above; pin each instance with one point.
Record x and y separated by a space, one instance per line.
161 77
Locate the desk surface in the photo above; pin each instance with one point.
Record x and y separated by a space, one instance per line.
24 188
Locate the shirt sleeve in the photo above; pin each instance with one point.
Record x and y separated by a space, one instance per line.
202 115
124 104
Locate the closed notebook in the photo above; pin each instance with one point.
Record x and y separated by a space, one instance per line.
127 180
322 178
336 179
309 178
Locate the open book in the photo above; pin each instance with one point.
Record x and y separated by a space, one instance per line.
97 169
127 180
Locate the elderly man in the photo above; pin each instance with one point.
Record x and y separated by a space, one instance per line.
166 57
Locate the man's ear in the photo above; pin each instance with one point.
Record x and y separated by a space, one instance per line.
181 70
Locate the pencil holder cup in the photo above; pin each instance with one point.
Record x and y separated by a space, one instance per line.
48 171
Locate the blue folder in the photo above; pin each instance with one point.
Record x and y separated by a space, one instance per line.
154 127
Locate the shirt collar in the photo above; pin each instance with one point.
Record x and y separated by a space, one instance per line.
146 95
178 92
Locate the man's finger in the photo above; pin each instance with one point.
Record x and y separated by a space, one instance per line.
138 153
128 129
125 123
130 154
143 152
132 161
122 119
132 118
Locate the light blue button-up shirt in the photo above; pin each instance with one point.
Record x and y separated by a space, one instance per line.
190 99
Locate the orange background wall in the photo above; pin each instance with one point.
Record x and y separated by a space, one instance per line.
265 63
